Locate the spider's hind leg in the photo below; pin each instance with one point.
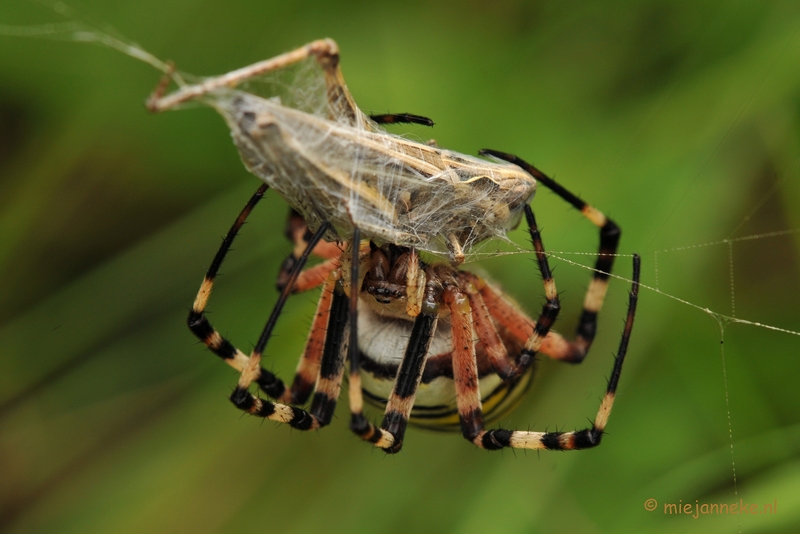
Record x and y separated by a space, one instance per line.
465 370
331 365
469 406
315 355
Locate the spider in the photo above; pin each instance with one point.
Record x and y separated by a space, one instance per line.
470 352
436 345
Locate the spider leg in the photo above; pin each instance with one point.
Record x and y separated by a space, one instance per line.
331 365
331 369
519 327
389 436
323 274
251 371
328 373
327 273
329 382
401 118
359 424
200 326
409 374
610 233
297 232
420 296
321 358
309 363
552 305
465 364
469 407
307 371
489 309
484 326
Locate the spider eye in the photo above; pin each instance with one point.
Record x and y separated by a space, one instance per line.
384 292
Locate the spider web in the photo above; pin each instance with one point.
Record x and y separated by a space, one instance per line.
725 255
740 287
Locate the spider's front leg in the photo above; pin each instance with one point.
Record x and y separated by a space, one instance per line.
198 322
465 369
557 347
401 118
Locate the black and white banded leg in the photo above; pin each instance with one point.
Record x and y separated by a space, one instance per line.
465 370
579 439
295 417
331 364
200 326
610 233
389 436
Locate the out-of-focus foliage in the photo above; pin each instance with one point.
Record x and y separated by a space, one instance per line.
678 119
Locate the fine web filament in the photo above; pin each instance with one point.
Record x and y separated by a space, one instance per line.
722 323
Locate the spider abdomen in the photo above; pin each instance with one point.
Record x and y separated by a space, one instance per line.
382 342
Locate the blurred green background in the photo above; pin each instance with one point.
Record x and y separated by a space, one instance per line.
678 119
